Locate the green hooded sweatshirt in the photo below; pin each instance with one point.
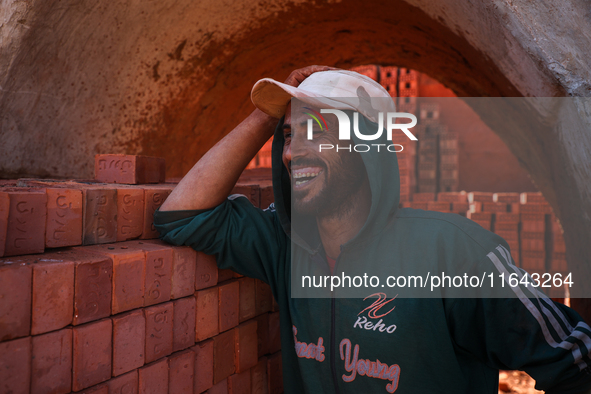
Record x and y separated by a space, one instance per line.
386 345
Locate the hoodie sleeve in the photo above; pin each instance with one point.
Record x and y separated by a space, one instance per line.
525 331
243 238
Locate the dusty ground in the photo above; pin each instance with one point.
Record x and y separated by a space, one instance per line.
516 382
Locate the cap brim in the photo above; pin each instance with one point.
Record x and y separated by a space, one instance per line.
272 98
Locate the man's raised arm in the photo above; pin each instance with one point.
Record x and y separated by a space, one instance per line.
212 178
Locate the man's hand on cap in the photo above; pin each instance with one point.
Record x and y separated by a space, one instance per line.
297 76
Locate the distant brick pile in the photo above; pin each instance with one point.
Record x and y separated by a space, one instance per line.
90 302
524 220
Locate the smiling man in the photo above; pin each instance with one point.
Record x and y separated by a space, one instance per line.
336 214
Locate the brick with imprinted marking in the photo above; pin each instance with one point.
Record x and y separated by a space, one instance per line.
93 274
181 367
239 383
203 365
53 295
52 362
124 384
15 298
247 299
206 271
246 345
15 366
92 348
128 275
130 213
99 215
153 378
154 197
129 339
206 313
158 270
183 335
64 217
223 356
229 296
25 230
129 169
159 319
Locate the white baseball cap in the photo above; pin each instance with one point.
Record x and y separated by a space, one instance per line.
338 89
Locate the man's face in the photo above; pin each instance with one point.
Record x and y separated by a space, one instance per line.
321 182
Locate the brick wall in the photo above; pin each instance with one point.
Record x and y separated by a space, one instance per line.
91 302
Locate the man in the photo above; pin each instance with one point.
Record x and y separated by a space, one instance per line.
345 219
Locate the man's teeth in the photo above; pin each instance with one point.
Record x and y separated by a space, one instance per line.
300 175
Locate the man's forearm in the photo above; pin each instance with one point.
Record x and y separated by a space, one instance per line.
212 178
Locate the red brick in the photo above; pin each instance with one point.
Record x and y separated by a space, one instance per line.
181 370
99 215
506 197
229 298
219 388
494 207
153 378
419 205
246 346
507 217
439 206
535 208
128 275
506 226
158 270
480 197
184 261
15 299
52 363
275 373
250 191
224 275
247 299
159 319
508 235
223 356
532 241
267 196
460 207
25 231
183 268
4 213
533 222
53 295
423 197
124 384
183 326
154 198
93 275
129 340
130 213
64 218
457 197
532 197
129 169
203 365
274 332
15 366
258 378
480 216
92 354
263 334
206 271
239 383
206 314
264 297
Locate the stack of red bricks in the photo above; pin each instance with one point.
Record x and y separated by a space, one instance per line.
524 220
127 317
